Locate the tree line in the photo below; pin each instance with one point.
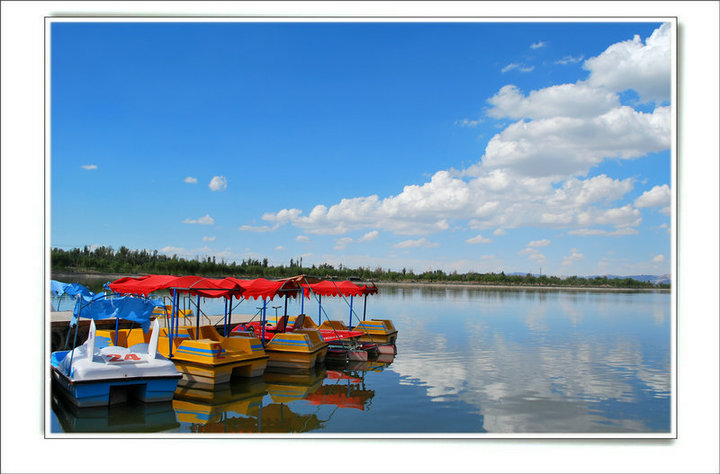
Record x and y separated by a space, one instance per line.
126 261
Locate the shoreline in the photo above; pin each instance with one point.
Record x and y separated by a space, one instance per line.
103 277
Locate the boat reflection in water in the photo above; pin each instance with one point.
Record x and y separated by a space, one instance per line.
281 401
277 402
134 417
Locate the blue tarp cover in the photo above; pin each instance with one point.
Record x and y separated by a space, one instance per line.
73 289
99 306
124 307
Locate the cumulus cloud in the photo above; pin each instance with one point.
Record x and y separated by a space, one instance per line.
659 196
538 44
205 220
564 100
190 180
658 258
478 239
302 238
494 199
370 236
208 238
532 173
423 242
533 254
539 243
574 256
89 167
632 64
610 233
218 183
280 247
565 146
342 243
258 228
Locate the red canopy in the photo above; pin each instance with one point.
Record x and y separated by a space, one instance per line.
195 285
264 288
230 286
335 288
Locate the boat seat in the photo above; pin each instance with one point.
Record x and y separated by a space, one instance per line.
280 326
299 322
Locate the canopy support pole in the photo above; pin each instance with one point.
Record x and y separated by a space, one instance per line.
225 318
302 300
351 303
365 307
286 302
320 309
229 324
172 323
197 319
117 329
264 309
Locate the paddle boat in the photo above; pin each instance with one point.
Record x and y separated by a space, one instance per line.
201 354
103 371
363 341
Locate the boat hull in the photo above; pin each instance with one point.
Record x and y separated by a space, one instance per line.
219 374
112 391
296 360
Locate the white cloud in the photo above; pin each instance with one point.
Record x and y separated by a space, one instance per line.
342 243
190 180
564 100
631 64
518 66
218 183
566 146
538 44
574 256
468 123
614 233
423 242
533 173
208 238
89 167
369 237
488 199
659 196
302 238
539 243
205 220
258 228
533 254
478 239
280 247
658 258
570 59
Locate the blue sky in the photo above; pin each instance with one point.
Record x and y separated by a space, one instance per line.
469 147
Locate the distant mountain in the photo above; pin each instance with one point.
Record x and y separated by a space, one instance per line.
654 279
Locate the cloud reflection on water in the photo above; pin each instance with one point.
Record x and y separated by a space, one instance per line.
560 363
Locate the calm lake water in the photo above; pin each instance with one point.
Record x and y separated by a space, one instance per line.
469 360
